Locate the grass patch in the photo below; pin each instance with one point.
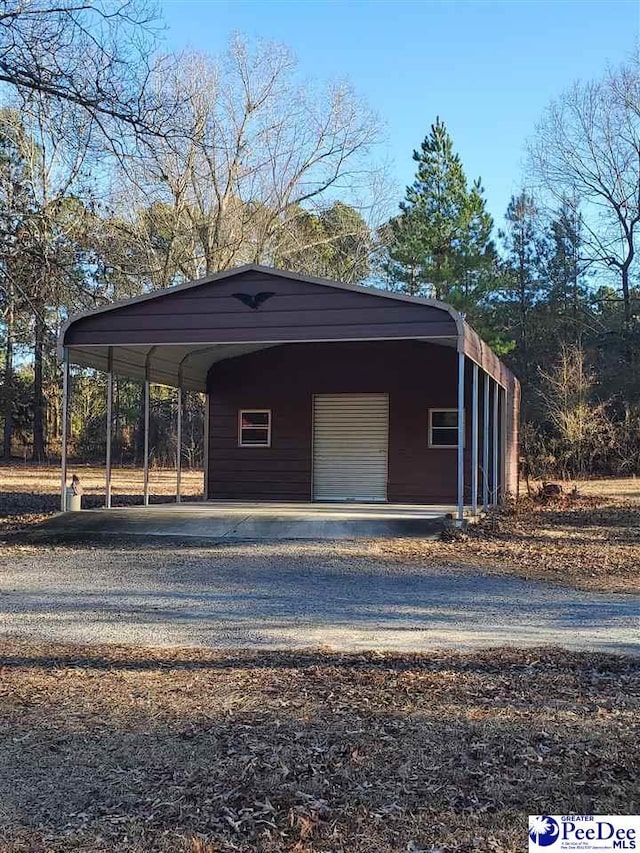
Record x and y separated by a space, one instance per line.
30 493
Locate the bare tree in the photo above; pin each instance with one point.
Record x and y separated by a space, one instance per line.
252 151
582 430
98 55
588 147
43 275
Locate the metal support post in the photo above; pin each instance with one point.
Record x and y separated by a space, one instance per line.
65 429
179 446
474 442
205 448
146 442
109 423
460 437
496 433
485 442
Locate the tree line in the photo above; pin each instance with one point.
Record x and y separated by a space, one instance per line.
121 174
124 169
555 289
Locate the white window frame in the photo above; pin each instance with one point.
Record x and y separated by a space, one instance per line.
242 412
430 443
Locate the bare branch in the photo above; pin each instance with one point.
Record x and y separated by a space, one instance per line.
589 144
98 55
247 150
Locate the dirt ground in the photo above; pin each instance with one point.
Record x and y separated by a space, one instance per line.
122 748
590 541
166 750
29 493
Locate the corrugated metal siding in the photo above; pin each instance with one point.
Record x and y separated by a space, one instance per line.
512 454
296 310
350 447
416 375
215 312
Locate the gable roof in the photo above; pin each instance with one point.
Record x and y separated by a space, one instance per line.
234 272
175 335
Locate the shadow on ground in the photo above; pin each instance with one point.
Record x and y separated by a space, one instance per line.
293 596
143 749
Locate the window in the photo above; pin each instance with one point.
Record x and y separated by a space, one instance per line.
254 428
443 427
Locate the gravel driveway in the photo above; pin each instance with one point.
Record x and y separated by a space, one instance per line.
293 595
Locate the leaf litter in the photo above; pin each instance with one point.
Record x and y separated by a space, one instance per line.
132 749
588 542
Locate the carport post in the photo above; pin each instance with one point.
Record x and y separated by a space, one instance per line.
460 437
179 443
65 428
146 442
109 420
496 407
205 449
503 443
474 442
485 442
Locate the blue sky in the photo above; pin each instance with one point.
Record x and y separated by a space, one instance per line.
487 68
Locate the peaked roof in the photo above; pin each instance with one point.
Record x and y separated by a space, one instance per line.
269 271
98 338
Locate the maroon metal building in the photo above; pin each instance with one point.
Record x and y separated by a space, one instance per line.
318 390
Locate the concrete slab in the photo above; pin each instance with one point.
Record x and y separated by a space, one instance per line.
249 521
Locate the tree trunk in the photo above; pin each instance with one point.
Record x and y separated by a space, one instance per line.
437 288
524 331
8 375
139 431
39 453
575 308
626 296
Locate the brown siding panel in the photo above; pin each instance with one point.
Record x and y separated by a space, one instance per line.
512 459
298 310
416 375
205 334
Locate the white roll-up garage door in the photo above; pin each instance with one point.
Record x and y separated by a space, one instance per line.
350 443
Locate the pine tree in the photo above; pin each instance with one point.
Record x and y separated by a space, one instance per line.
441 242
332 243
568 292
521 273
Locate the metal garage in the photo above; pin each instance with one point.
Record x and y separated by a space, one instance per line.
316 390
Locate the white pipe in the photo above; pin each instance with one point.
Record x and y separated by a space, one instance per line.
474 442
109 421
179 446
494 484
146 442
65 428
485 442
205 448
460 437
